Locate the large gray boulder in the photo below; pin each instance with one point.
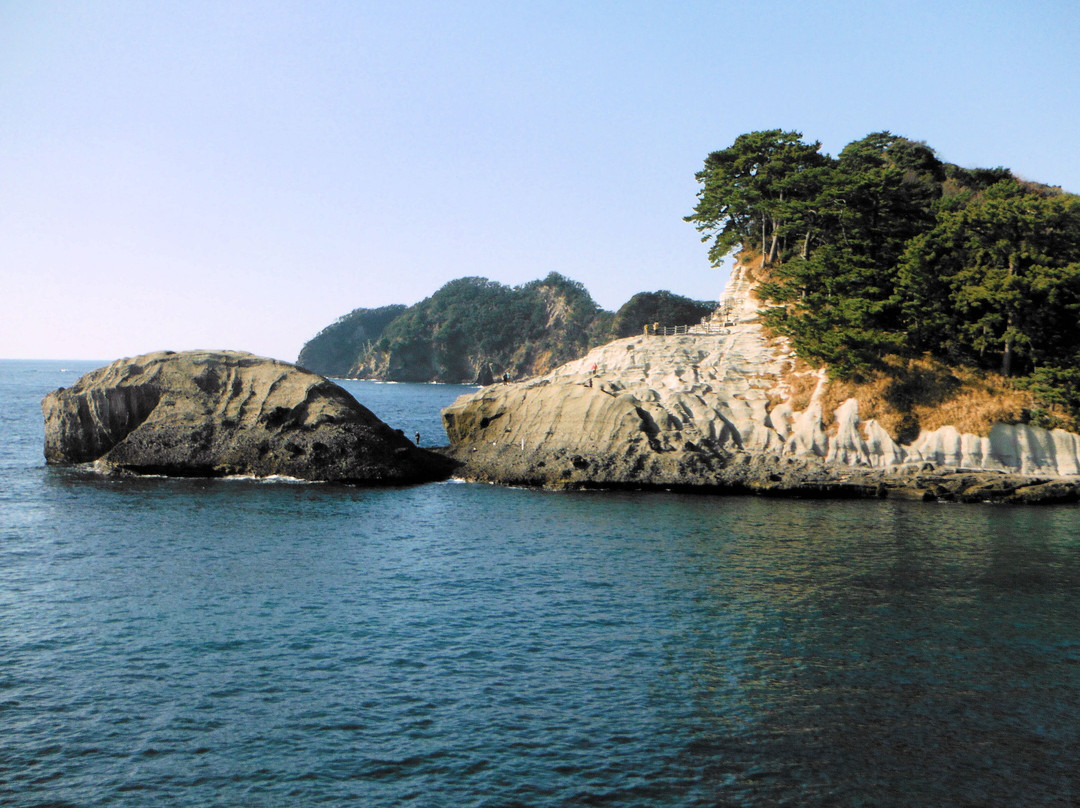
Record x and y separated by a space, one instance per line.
217 413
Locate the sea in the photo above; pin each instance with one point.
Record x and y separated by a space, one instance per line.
236 642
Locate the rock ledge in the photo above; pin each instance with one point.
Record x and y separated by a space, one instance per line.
756 474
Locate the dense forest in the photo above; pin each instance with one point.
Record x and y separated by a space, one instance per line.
474 329
334 350
887 252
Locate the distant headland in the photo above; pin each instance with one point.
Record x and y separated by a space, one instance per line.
474 330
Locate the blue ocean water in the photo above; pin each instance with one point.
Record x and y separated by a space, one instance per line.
229 642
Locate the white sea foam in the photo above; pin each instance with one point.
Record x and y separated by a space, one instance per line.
271 478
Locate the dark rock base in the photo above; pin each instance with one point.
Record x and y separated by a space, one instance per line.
744 473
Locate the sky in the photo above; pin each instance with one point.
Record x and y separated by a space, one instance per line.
178 175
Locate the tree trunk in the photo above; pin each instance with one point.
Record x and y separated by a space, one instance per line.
806 245
1007 354
1010 321
774 247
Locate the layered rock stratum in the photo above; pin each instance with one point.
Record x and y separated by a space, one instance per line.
219 413
723 405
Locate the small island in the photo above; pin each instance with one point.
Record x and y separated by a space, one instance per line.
226 413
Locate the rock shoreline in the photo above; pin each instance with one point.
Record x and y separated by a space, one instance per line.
725 406
744 473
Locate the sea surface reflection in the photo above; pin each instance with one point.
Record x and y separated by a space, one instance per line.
232 642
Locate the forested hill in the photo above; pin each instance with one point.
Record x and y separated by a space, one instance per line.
474 329
885 255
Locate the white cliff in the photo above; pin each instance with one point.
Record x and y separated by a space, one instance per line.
725 386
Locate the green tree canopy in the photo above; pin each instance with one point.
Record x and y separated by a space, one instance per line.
886 249
658 307
757 192
333 351
997 281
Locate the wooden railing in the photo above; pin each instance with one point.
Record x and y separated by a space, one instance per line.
720 321
670 330
709 327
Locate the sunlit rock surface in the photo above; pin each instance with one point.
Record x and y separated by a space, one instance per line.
216 413
697 400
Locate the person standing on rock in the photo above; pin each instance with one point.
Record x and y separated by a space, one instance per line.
417 438
506 377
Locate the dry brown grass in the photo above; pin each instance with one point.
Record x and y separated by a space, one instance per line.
754 265
919 394
911 395
799 383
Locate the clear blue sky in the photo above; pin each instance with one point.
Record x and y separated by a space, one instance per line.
238 175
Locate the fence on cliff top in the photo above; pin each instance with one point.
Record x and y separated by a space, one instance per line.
709 327
717 323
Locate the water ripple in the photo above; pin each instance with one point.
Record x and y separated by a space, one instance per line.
200 642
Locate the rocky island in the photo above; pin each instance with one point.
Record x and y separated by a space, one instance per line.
894 326
726 406
219 413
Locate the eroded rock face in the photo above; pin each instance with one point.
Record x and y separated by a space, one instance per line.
678 402
1015 448
217 413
